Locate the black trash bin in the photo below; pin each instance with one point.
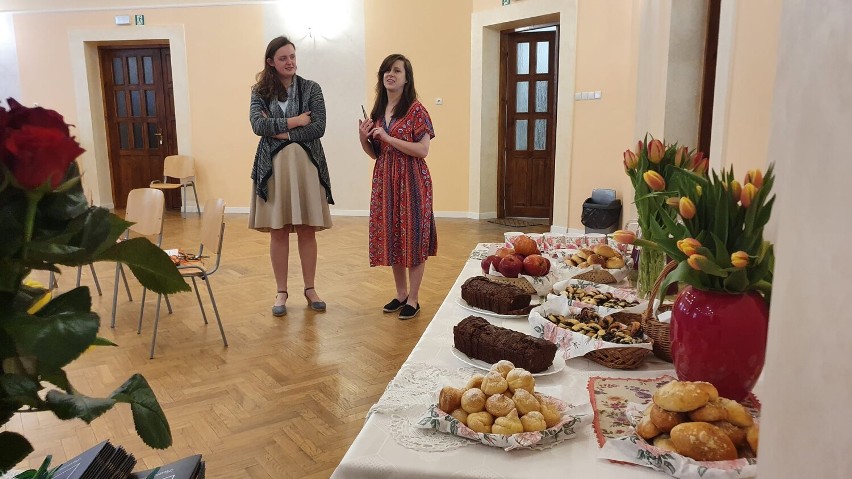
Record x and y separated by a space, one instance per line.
601 212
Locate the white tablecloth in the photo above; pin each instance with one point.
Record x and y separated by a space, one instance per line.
376 454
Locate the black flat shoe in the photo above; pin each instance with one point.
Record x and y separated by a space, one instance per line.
394 305
409 311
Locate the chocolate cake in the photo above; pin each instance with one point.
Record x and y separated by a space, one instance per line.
479 339
482 293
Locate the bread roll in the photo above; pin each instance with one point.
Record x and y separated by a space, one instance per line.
677 396
606 251
525 402
752 434
646 429
503 367
499 405
480 422
475 381
614 263
703 442
711 389
450 399
712 411
508 425
494 383
737 435
520 378
461 415
596 259
737 414
584 253
577 259
473 400
533 421
664 442
665 420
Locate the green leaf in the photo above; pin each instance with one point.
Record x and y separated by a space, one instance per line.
99 341
59 332
148 416
70 406
737 281
13 449
151 265
58 378
19 389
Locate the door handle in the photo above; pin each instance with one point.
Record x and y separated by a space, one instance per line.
159 135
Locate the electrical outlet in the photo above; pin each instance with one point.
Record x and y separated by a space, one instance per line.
439 101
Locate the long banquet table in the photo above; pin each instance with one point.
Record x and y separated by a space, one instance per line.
376 454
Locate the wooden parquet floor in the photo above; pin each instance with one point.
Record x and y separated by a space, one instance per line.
289 395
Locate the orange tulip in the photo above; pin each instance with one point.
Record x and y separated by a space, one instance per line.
688 246
736 190
739 259
639 147
754 177
673 201
680 155
656 151
696 260
654 180
749 190
630 160
624 236
686 208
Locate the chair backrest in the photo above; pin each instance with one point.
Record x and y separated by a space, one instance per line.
145 208
212 223
179 166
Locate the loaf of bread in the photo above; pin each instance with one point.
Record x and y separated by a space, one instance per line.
479 339
482 293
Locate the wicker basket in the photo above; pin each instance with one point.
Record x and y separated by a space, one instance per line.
657 331
618 358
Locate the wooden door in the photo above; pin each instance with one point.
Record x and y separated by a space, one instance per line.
140 118
528 124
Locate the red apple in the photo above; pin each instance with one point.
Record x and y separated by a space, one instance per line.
503 251
510 266
488 261
536 265
525 245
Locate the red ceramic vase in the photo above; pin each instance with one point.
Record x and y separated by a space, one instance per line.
720 338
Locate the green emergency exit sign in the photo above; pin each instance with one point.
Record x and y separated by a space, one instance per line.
140 19
506 2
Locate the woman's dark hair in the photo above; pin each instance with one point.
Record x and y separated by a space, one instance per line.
268 85
409 93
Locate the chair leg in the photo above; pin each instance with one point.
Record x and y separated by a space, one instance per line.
168 303
156 323
52 283
206 279
115 294
195 193
184 194
142 309
95 277
124 278
79 275
198 296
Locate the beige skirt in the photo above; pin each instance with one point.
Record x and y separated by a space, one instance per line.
296 196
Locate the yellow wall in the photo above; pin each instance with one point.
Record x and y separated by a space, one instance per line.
435 36
754 58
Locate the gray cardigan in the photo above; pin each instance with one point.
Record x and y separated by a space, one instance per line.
307 96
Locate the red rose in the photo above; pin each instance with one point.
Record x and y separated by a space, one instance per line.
37 154
19 115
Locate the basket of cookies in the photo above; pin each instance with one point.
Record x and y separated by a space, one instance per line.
503 409
688 430
614 339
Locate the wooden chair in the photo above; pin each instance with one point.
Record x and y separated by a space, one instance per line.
145 209
212 233
181 168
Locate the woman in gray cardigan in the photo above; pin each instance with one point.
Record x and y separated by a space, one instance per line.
292 190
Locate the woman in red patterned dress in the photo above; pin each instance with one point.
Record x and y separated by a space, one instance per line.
402 225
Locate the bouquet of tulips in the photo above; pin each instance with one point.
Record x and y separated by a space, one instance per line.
713 227
652 166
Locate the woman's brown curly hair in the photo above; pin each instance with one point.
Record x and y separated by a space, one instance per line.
268 85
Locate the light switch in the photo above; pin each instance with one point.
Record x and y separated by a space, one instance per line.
439 101
578 95
597 94
587 95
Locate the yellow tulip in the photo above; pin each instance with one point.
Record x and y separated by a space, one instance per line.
739 259
686 208
656 150
680 155
736 190
688 246
749 190
754 177
624 236
698 190
654 180
695 261
630 160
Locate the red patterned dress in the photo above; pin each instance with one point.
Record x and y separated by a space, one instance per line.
402 225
